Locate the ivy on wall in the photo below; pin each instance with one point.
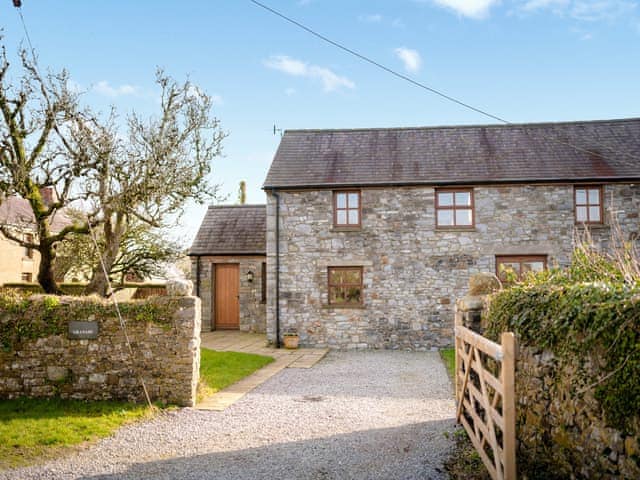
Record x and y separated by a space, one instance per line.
24 318
588 316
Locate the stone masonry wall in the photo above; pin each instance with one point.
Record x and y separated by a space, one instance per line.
412 272
167 357
252 309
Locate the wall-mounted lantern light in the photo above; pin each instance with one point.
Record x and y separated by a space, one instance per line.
249 276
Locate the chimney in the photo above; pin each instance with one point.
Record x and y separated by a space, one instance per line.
49 195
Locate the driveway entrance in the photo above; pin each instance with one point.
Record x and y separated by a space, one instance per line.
354 415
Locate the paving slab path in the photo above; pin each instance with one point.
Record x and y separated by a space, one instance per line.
354 415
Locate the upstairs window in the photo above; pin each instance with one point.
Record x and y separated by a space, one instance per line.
28 252
346 209
345 286
519 265
588 203
454 208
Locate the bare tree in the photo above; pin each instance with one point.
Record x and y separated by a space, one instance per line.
35 154
147 176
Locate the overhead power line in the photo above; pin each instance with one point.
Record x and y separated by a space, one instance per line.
427 87
379 65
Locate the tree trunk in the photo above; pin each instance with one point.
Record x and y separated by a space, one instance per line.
46 278
112 235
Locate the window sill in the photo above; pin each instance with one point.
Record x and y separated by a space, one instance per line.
346 229
592 226
343 307
455 229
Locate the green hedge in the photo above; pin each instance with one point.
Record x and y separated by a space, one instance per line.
24 317
588 324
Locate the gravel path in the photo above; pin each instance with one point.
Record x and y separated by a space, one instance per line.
360 415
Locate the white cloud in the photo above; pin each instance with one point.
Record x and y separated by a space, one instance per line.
290 92
104 88
411 58
372 18
583 10
330 80
477 9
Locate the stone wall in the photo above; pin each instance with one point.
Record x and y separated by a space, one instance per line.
252 307
412 272
167 356
564 433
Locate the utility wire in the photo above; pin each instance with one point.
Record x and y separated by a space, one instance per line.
123 325
427 87
379 65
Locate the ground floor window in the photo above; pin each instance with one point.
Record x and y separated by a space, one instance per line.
26 277
345 286
508 266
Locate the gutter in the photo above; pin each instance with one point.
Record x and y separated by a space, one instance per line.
277 299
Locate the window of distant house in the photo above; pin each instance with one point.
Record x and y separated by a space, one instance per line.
454 208
517 266
588 202
26 277
346 209
345 286
28 252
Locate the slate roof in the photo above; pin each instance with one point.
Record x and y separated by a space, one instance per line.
607 150
232 230
16 212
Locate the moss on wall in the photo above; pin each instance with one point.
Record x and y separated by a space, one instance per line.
578 378
24 317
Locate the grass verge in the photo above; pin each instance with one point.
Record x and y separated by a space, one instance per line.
448 356
218 370
34 429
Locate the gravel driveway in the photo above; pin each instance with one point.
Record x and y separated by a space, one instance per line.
360 415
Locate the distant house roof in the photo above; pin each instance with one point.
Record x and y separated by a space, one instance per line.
537 152
16 212
232 230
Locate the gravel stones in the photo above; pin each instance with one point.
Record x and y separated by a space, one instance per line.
355 415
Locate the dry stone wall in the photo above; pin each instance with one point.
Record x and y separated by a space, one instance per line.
412 272
167 357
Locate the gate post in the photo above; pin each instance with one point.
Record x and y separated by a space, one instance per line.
509 404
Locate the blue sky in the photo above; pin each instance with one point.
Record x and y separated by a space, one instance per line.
523 60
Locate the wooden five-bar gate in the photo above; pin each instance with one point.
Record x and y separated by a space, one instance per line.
485 395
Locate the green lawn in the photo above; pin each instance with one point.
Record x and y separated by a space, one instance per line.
33 429
448 356
221 369
37 429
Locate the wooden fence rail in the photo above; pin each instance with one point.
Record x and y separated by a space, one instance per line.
485 395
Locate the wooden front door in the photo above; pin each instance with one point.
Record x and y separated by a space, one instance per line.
226 302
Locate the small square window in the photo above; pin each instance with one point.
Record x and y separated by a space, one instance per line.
454 208
345 286
588 204
26 277
346 209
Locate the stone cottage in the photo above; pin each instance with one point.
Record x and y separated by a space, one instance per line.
373 233
229 267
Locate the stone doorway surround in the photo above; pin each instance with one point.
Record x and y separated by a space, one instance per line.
235 341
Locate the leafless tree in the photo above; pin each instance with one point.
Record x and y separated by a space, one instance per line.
35 153
146 176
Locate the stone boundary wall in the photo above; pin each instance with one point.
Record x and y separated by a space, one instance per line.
560 433
564 431
167 357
